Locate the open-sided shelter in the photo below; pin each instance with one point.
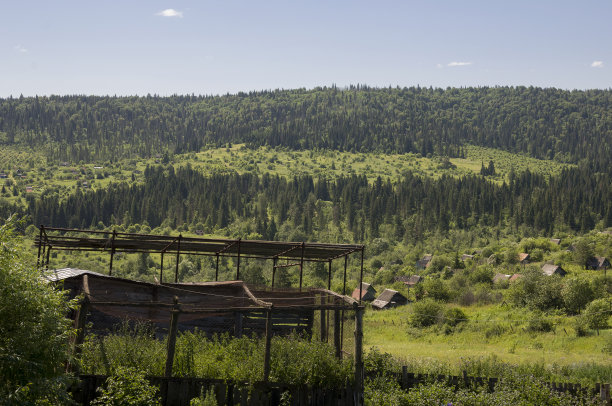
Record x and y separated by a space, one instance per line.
209 306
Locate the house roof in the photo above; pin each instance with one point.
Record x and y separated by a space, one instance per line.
550 269
125 296
598 262
500 277
366 289
388 296
515 277
556 241
523 256
65 273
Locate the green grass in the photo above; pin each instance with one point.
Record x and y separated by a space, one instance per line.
492 332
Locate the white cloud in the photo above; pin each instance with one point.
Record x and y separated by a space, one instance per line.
170 12
459 64
20 49
439 66
597 64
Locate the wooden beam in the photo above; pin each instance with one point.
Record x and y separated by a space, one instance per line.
359 354
178 257
269 326
337 345
172 338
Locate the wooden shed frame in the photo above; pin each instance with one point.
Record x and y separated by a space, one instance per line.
50 238
295 253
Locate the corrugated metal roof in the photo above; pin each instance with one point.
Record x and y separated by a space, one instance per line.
65 273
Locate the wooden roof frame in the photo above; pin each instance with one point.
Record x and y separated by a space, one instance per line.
112 241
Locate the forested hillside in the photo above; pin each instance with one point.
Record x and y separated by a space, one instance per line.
568 126
347 208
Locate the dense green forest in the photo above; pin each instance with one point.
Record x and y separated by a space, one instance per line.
567 126
308 209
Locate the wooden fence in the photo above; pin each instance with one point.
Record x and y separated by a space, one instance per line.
408 380
179 391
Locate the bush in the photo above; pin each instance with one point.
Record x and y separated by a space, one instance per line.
127 387
539 324
581 326
34 330
597 313
425 313
576 293
205 399
454 316
436 289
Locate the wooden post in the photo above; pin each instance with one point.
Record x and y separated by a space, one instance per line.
238 262
172 338
217 269
178 256
110 265
404 377
80 319
302 264
274 261
48 254
268 342
343 293
40 235
604 393
361 277
237 324
161 269
337 334
323 324
358 354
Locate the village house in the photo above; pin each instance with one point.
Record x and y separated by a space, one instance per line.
598 263
550 270
524 258
424 262
515 277
368 293
467 257
500 277
409 281
388 299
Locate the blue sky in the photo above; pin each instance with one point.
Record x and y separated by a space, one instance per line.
220 46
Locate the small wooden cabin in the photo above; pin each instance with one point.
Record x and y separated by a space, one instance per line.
550 270
368 293
389 298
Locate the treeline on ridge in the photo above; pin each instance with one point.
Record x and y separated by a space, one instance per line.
544 123
303 208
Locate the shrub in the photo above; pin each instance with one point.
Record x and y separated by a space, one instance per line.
425 313
581 326
34 330
482 274
205 399
539 324
597 313
127 387
436 289
576 293
454 316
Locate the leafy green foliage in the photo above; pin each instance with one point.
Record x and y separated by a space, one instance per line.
597 313
425 313
294 360
34 330
205 399
576 293
127 387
